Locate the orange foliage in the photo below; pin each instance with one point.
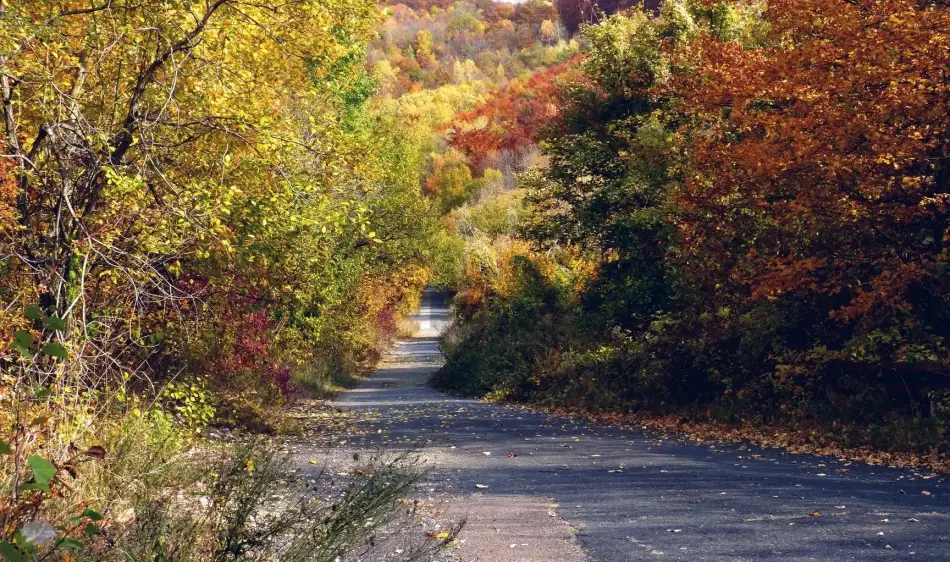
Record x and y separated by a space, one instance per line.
834 156
511 119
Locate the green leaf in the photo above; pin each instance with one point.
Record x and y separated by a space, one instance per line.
22 337
69 544
11 553
55 323
5 448
33 313
23 343
91 514
43 470
43 393
92 529
54 349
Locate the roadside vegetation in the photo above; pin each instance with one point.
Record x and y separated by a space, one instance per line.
208 209
738 215
189 230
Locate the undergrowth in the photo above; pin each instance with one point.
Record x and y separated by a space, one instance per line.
537 346
148 492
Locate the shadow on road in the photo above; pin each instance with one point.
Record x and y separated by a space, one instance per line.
633 495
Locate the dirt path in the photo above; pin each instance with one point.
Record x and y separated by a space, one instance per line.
536 487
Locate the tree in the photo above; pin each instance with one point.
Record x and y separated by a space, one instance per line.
549 31
821 179
185 169
611 167
450 181
511 119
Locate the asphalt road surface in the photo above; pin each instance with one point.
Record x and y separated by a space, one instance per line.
538 487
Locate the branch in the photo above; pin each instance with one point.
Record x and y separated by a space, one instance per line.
124 136
122 140
89 10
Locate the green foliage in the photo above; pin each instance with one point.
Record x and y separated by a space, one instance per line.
499 216
447 259
450 182
518 330
191 403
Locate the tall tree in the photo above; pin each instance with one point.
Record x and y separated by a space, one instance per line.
823 172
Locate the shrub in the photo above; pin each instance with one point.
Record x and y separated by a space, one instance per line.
156 499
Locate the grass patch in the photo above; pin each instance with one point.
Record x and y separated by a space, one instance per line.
322 381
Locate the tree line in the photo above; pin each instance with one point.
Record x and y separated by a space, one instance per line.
190 235
740 215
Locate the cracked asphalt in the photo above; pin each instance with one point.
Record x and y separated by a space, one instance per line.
540 487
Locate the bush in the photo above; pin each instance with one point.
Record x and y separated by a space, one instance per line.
147 497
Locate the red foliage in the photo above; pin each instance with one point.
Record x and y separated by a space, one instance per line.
834 157
511 119
252 352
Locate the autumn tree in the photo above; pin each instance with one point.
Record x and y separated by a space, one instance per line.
549 31
821 181
450 181
192 192
510 119
761 192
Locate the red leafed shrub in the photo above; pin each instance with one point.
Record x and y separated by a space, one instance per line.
251 353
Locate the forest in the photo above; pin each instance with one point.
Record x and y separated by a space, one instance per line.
724 212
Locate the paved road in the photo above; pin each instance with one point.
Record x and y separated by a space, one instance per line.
631 497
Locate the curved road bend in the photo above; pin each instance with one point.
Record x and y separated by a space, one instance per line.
541 488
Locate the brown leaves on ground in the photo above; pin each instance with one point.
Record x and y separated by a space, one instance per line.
810 440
